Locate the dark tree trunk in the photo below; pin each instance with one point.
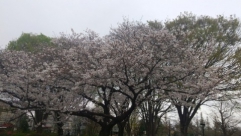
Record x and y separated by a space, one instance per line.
60 129
186 114
128 128
121 127
183 129
151 129
59 124
152 123
224 132
38 121
105 130
152 112
39 117
184 123
121 131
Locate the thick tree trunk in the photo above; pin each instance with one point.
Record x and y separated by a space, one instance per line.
121 131
152 124
38 121
185 115
184 123
105 130
150 128
39 117
183 129
224 132
128 128
60 129
121 127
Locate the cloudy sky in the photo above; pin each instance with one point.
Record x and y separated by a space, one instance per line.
51 17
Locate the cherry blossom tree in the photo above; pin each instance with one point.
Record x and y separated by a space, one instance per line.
106 78
213 43
93 77
29 42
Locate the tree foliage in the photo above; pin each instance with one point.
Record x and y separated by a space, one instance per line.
213 43
29 42
109 73
188 61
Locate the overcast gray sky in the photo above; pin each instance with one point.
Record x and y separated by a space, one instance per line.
51 17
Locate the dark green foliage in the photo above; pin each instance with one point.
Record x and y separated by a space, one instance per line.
29 42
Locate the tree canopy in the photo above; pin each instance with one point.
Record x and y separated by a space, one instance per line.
213 43
29 42
189 60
